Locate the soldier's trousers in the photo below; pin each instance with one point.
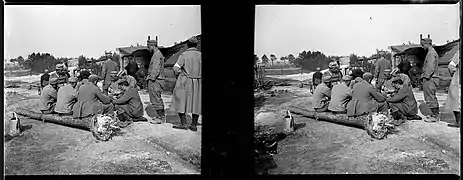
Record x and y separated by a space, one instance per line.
106 84
323 108
380 107
107 108
429 90
400 107
155 88
51 110
379 83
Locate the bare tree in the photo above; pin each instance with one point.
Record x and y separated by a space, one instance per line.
273 58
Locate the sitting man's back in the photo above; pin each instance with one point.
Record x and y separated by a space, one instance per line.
67 97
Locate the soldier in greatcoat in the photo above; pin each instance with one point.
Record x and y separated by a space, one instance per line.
187 92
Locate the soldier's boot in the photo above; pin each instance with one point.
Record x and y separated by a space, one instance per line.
435 112
414 117
457 120
398 118
194 123
159 119
155 120
162 115
182 124
124 120
434 117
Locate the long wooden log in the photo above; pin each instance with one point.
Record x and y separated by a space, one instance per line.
329 117
57 119
101 129
375 124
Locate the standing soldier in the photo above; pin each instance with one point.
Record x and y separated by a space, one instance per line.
430 79
187 93
381 65
155 84
108 66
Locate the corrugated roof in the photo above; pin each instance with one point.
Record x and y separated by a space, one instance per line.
402 48
171 54
445 51
445 59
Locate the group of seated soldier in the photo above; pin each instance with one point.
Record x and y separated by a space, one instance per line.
359 97
81 98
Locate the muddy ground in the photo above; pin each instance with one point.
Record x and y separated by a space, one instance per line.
141 148
324 147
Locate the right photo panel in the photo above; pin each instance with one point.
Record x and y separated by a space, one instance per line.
357 89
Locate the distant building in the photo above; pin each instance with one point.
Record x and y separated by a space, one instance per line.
345 60
73 62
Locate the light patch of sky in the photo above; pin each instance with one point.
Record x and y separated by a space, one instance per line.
70 31
342 30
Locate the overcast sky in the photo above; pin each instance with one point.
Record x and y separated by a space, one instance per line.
70 31
342 30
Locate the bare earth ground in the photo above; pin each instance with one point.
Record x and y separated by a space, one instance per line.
143 148
324 147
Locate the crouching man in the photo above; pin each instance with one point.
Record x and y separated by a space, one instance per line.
129 105
67 97
403 104
322 95
47 101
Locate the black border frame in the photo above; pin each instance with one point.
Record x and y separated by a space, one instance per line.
228 30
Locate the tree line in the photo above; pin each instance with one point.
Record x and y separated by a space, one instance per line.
38 62
311 60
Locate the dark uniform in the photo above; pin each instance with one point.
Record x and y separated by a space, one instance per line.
44 79
317 78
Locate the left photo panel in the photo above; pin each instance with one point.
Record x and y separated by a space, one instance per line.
102 90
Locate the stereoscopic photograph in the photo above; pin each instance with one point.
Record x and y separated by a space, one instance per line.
357 89
102 90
